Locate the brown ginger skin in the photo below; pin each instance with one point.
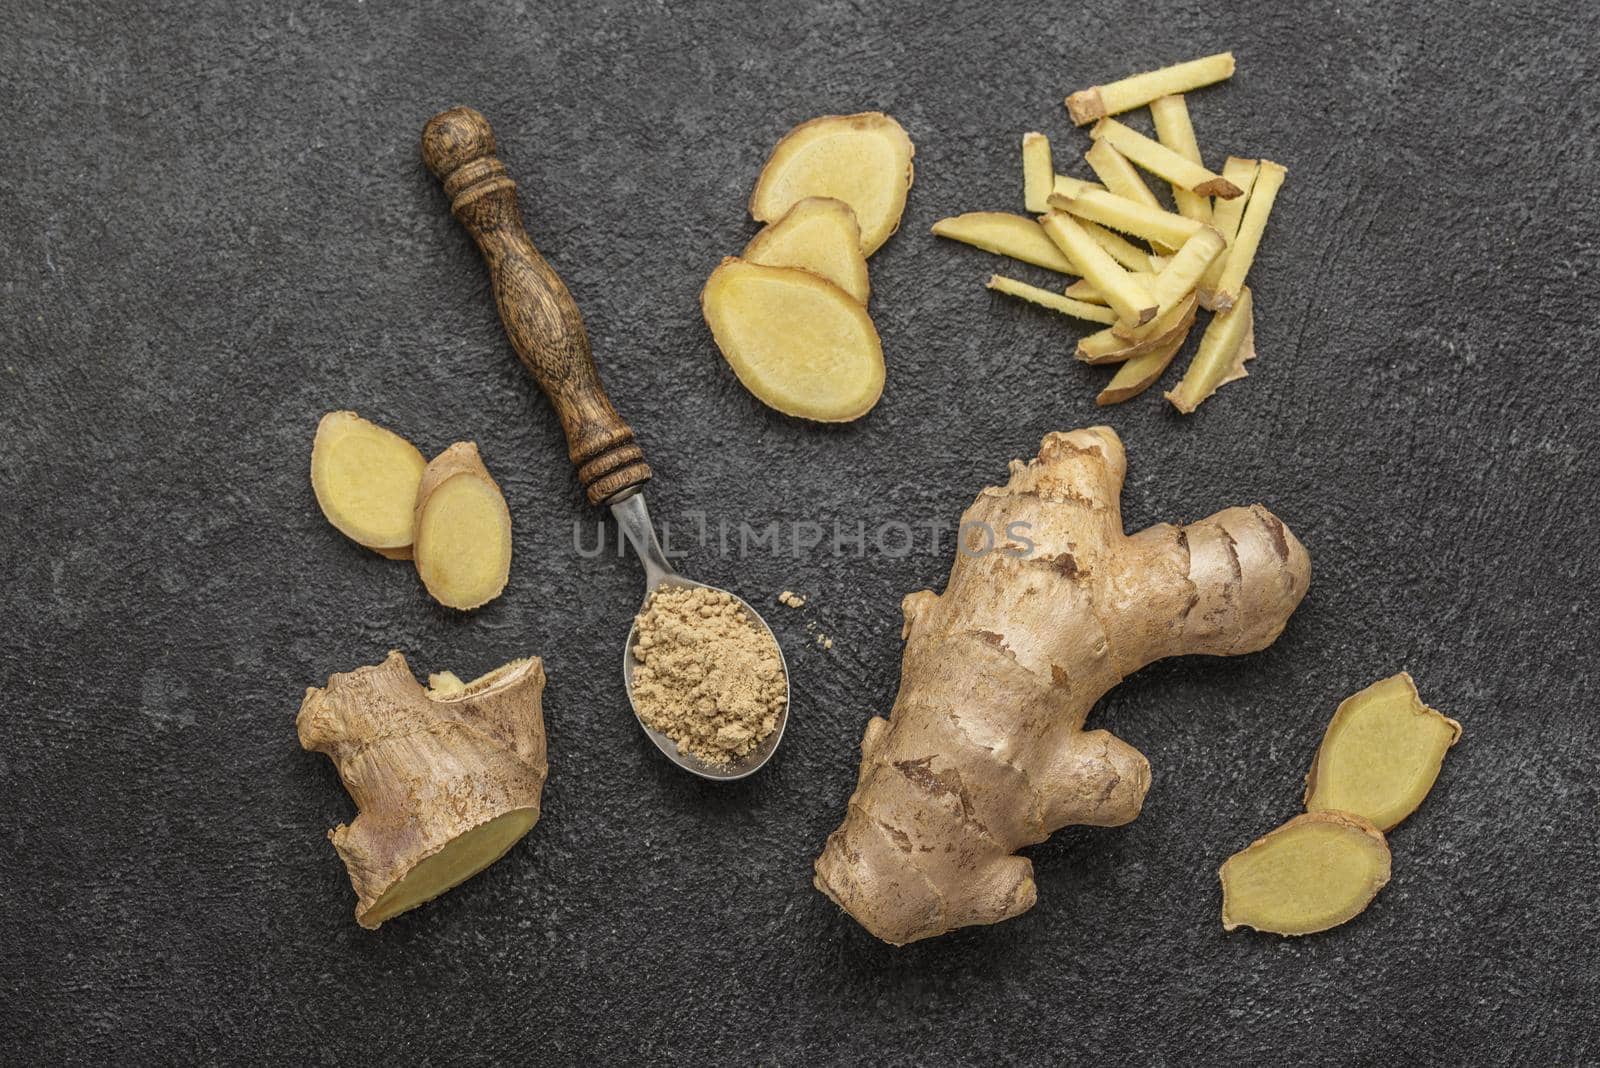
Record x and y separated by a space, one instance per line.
424 767
984 751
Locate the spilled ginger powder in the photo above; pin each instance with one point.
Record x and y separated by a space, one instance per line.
707 676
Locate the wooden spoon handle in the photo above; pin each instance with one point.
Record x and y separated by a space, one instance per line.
543 323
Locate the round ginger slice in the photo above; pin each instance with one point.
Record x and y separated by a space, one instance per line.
820 235
365 479
1315 872
798 342
463 546
863 160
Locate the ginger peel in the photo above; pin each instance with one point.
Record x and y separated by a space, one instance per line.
984 751
445 780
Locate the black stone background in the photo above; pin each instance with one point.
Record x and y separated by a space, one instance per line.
216 227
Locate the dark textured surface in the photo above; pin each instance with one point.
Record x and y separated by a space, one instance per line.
216 227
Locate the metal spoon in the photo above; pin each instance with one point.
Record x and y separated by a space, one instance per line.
546 330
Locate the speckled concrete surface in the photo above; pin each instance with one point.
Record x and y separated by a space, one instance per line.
216 227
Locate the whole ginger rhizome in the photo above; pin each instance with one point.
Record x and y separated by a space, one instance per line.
708 677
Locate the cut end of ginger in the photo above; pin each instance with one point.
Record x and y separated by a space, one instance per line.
864 160
796 341
1381 754
365 479
1317 871
463 530
820 235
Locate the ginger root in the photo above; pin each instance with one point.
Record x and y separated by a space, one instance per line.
463 548
984 751
1381 754
445 780
1315 872
863 160
365 479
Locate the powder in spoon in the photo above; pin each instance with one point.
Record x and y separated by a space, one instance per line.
708 676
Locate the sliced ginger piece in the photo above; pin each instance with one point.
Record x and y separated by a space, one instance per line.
1177 279
1162 161
820 235
1228 342
1068 186
1095 313
1003 234
796 341
1175 130
1315 872
1109 346
1122 250
1381 754
863 160
1038 172
1242 253
1129 297
1098 101
463 547
365 479
1129 216
445 779
1225 218
1084 290
1141 372
1122 179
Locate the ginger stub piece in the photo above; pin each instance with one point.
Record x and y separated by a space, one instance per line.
796 341
820 235
863 160
1381 754
1242 251
1126 295
445 780
1096 102
1162 161
1228 342
1094 313
1038 172
984 751
365 479
1315 872
1015 236
463 548
1175 130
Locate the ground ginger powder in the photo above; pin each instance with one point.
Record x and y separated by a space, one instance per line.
707 676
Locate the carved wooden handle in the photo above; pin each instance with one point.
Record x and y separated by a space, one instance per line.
539 316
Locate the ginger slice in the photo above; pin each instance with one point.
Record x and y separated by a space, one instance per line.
365 479
795 340
1225 218
1122 250
820 235
1108 346
863 160
1162 161
1242 253
1098 101
1141 372
1129 297
1003 234
1315 872
1228 342
1121 178
1381 754
1095 313
1067 186
445 780
1038 172
1084 290
1176 281
1174 129
1128 216
463 548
